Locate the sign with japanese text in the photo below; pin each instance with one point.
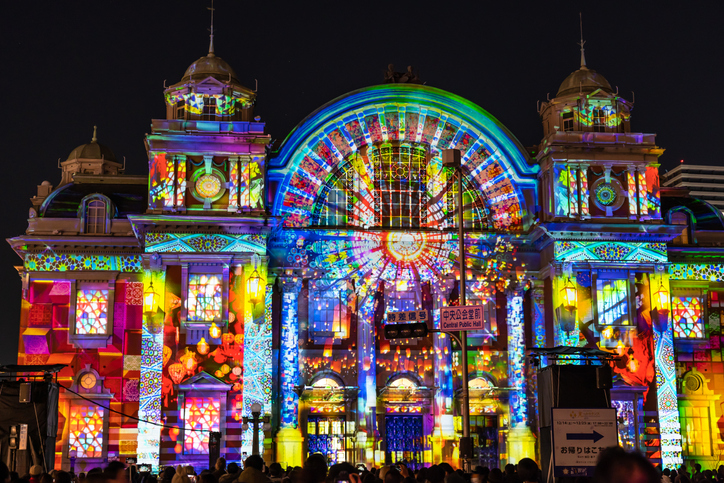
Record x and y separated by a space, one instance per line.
23 443
467 317
411 316
579 436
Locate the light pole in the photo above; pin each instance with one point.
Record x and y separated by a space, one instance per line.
451 159
255 420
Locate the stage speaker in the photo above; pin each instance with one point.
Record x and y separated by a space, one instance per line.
604 377
25 391
572 386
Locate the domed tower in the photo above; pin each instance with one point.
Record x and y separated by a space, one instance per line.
592 165
91 158
208 155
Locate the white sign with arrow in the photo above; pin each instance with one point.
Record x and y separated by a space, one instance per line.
579 436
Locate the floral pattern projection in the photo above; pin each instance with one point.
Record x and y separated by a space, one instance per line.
239 356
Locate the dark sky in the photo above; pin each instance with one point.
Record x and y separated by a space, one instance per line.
70 65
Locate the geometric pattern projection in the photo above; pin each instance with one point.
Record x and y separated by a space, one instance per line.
202 415
713 272
204 297
204 243
86 431
54 262
91 312
610 251
688 317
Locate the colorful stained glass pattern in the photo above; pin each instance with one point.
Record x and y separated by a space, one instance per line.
688 317
161 179
202 415
610 251
643 203
631 193
91 312
560 193
181 176
208 186
86 431
54 262
583 173
320 151
204 297
572 190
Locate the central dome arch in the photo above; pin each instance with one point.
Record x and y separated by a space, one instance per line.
397 131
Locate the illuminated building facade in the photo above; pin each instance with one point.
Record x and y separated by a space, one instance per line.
237 274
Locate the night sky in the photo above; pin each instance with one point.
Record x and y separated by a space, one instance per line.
71 65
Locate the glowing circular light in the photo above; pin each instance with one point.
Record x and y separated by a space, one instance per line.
606 194
208 186
405 246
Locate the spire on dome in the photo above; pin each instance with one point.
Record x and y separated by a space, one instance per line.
211 40
582 42
95 137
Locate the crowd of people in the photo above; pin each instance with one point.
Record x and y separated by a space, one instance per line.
614 466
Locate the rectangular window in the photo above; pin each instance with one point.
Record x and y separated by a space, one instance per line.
204 297
96 217
201 415
599 120
209 109
181 109
688 317
86 431
567 121
695 431
612 304
330 314
91 312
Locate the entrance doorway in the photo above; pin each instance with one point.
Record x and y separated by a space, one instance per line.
484 430
404 440
326 436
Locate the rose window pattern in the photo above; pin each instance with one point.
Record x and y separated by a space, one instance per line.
605 194
91 312
202 416
208 186
86 431
687 314
204 297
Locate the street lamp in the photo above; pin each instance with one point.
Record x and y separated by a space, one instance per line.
149 299
451 159
255 420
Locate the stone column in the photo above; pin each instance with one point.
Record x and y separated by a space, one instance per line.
289 438
521 442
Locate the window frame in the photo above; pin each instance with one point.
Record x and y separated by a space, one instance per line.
83 213
90 341
613 275
598 119
691 292
202 385
188 269
313 334
568 121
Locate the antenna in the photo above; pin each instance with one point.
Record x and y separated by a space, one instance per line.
211 41
582 42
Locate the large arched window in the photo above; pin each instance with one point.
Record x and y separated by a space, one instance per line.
396 185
